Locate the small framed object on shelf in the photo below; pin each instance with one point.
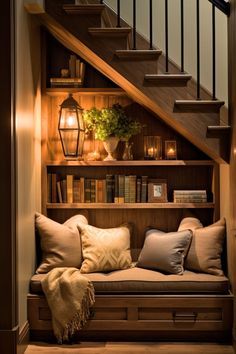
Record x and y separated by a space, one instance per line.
157 191
170 150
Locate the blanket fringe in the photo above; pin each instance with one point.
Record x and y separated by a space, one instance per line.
80 318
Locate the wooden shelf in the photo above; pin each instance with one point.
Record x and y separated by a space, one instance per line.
133 163
130 205
57 91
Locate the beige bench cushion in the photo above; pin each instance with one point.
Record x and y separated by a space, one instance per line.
143 281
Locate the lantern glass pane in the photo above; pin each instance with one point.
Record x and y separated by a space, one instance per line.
70 142
68 119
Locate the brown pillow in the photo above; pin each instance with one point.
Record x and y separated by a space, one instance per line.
205 251
105 250
165 251
60 243
189 223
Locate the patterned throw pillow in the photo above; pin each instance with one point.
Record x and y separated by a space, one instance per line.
105 250
60 243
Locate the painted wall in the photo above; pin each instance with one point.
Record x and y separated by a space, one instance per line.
28 111
190 36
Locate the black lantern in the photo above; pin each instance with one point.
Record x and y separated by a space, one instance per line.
71 128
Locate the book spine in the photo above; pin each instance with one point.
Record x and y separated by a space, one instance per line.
144 180
116 197
77 68
59 193
132 188
110 186
82 71
93 191
69 188
104 191
64 191
82 189
121 182
126 189
72 62
138 194
76 191
87 190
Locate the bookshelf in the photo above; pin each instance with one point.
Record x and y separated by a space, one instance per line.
192 170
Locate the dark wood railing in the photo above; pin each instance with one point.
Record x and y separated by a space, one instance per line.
220 4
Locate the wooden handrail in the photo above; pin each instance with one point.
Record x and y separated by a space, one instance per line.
222 5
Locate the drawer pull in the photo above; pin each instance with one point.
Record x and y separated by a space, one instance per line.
184 316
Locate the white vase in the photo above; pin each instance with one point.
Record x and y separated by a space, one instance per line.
110 145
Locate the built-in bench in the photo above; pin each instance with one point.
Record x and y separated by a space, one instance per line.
141 304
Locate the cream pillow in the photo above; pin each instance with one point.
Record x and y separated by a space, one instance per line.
60 243
105 250
165 251
206 248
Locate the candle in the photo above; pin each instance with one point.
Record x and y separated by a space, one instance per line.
170 150
171 153
151 152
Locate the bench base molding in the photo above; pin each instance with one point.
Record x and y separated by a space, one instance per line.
162 317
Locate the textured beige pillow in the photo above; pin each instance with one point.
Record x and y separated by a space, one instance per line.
60 243
165 251
205 251
189 223
105 250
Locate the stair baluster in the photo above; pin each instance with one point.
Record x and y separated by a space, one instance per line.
150 24
213 53
134 24
166 36
198 48
118 14
182 33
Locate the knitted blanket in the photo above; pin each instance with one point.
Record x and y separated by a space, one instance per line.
70 296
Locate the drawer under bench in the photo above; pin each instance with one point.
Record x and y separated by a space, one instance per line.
145 317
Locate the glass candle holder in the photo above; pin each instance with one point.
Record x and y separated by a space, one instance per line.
170 150
152 147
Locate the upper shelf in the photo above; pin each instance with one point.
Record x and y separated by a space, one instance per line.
85 91
133 163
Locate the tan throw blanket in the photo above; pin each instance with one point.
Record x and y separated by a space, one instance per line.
70 296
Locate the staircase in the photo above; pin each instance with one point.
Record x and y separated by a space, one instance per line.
140 72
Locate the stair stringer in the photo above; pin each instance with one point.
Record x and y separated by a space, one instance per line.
193 129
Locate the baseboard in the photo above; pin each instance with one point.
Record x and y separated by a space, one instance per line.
23 338
8 340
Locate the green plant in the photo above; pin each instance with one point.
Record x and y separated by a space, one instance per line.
111 122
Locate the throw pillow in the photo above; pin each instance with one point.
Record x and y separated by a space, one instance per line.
165 251
60 243
205 251
189 223
105 250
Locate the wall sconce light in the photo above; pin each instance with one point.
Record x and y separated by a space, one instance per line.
71 128
170 150
152 147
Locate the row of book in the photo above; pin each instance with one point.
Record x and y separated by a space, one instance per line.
75 74
112 189
190 196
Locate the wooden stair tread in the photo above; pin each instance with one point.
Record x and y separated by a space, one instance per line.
138 54
218 131
109 31
94 9
167 79
202 106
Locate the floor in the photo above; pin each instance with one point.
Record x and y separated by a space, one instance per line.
127 348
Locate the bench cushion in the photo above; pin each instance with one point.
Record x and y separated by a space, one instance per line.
143 281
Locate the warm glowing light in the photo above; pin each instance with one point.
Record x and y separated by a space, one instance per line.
70 121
